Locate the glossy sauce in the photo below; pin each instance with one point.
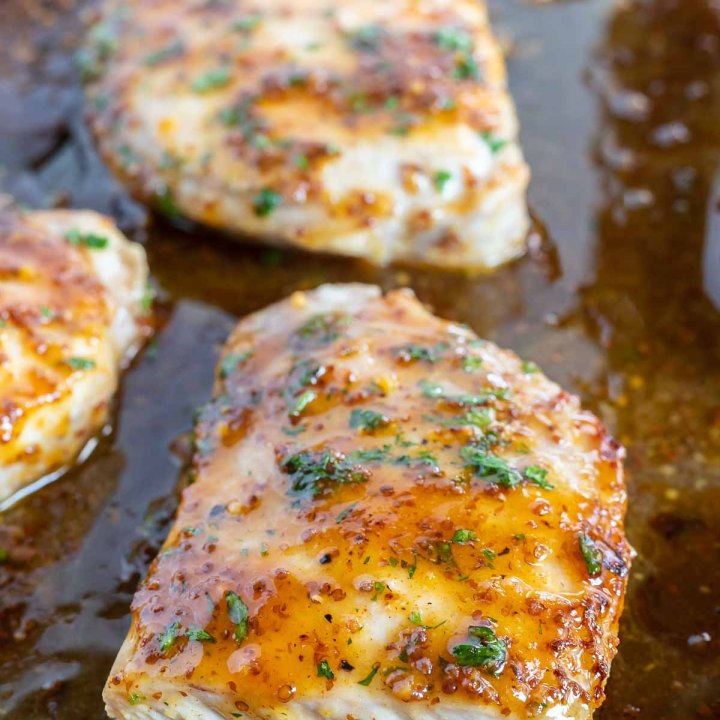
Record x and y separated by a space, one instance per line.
619 114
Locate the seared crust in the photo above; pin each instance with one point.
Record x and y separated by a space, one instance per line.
378 129
372 485
71 289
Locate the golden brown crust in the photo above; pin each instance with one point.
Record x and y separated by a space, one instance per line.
292 121
373 485
70 288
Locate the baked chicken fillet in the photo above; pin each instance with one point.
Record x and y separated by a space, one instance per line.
71 291
380 128
389 519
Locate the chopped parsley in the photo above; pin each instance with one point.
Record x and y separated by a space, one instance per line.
369 678
169 52
484 650
302 402
238 614
368 420
135 698
423 353
166 203
463 536
441 179
591 554
80 363
211 80
88 240
471 363
490 467
195 632
232 361
247 24
314 472
324 670
379 587
366 38
536 474
321 329
371 455
496 145
168 636
453 39
266 202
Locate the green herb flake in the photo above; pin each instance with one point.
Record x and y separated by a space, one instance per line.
195 632
211 80
486 651
135 698
462 536
591 554
88 240
471 363
441 179
314 472
80 363
232 361
247 24
369 678
537 475
490 467
305 399
168 636
169 52
412 352
430 389
368 420
324 670
496 145
238 614
266 202
379 587
453 39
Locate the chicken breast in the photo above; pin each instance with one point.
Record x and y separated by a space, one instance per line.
389 519
382 130
71 301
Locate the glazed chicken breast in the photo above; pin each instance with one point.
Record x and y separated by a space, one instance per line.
388 519
71 306
382 130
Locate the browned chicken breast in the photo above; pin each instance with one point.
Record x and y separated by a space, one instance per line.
389 519
379 129
71 307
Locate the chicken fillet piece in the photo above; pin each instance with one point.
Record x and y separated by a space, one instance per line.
71 297
390 519
381 129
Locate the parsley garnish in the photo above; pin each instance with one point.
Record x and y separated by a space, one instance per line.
211 80
488 652
238 614
231 361
536 474
496 145
313 472
368 419
195 632
463 536
490 467
441 179
88 240
367 680
266 202
591 554
80 363
168 636
324 670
